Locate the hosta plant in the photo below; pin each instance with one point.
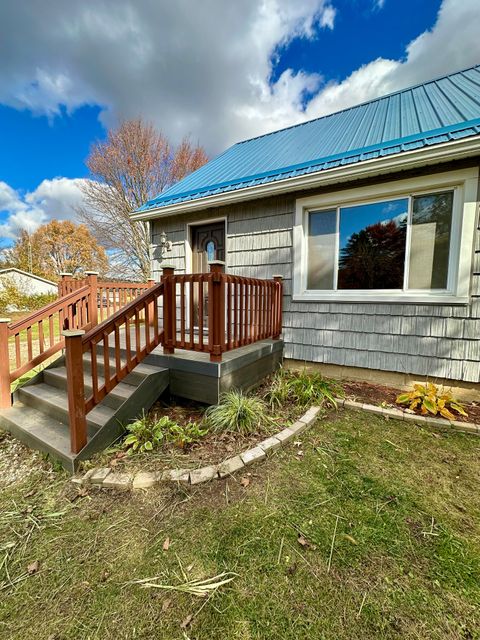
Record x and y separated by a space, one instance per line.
427 398
146 434
183 435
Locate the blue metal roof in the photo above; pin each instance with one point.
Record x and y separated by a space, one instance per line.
437 111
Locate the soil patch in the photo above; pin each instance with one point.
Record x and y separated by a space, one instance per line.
377 394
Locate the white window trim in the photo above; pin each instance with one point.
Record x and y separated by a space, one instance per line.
464 182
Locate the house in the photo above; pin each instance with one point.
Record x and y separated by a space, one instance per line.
371 216
27 283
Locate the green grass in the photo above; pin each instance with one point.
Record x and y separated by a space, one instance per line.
404 562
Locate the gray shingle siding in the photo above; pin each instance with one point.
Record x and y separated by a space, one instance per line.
435 340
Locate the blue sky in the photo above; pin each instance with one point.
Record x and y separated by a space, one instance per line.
69 72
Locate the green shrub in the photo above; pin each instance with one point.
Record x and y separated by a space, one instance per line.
146 434
236 412
302 388
11 297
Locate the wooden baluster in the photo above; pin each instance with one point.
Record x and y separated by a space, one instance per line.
182 313
41 343
18 352
229 315
51 331
75 387
147 324
168 308
151 283
137 334
92 304
106 361
235 314
201 311
5 394
118 362
216 310
278 306
191 310
128 344
94 369
29 343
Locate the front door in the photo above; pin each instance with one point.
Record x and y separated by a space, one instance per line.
208 243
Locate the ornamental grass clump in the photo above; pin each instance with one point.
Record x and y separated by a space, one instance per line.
429 399
302 388
236 412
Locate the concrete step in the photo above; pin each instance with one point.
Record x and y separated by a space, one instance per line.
54 402
57 377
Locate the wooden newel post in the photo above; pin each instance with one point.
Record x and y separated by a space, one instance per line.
92 277
63 284
5 394
169 309
216 311
75 388
278 307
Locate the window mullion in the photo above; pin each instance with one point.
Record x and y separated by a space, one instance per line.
337 251
406 269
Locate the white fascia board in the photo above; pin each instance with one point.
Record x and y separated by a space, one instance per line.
455 150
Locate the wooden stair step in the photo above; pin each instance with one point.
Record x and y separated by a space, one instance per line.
38 430
57 377
54 402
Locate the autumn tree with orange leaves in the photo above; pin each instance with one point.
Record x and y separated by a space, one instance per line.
134 164
60 246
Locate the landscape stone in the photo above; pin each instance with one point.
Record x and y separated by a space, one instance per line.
227 467
144 480
99 476
270 444
204 474
253 455
118 480
176 475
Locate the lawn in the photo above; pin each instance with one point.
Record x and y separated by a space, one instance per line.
366 528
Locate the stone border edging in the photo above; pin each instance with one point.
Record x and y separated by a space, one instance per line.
399 414
108 478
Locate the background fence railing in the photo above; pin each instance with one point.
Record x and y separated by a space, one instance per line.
31 341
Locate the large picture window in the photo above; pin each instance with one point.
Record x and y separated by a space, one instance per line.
400 244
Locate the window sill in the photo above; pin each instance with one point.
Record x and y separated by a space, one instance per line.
423 299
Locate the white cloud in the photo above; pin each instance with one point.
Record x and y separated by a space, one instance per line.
327 18
57 198
203 69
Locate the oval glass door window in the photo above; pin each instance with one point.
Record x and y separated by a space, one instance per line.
210 249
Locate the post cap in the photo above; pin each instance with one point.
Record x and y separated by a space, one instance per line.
277 275
166 265
73 333
92 273
66 273
3 320
220 263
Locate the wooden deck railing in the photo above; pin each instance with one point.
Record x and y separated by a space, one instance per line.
210 312
115 347
29 342
217 312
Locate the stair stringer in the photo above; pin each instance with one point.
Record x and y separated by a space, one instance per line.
142 399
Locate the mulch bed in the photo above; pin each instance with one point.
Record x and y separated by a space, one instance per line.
377 394
213 448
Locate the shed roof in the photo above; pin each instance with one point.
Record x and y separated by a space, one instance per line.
431 113
8 270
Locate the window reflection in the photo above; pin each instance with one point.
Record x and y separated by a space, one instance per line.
372 245
430 241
